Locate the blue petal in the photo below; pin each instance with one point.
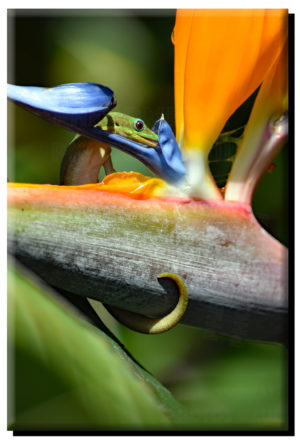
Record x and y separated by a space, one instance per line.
80 104
169 147
78 107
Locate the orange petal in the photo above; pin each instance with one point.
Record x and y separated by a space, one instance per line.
227 56
254 154
132 184
180 38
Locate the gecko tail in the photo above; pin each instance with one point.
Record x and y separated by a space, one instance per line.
144 324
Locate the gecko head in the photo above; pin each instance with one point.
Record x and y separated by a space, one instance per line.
129 127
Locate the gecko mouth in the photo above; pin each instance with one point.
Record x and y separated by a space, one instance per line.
148 142
141 139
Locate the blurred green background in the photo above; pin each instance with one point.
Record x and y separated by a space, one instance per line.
228 383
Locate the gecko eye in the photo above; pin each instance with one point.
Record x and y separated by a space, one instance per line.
139 125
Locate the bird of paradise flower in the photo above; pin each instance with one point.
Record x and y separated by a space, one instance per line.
211 82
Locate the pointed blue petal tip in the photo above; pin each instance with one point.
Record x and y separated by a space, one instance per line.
80 104
169 148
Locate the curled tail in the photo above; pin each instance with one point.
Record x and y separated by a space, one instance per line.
144 324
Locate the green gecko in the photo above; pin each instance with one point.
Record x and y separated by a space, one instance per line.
85 157
81 164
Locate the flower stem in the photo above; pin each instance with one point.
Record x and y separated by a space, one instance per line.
243 182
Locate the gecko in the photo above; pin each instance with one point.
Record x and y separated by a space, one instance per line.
81 164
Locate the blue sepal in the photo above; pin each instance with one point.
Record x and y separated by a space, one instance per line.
78 107
80 104
169 147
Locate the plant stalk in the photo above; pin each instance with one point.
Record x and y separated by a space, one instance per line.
111 247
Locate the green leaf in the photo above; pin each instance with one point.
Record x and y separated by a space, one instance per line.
242 386
65 374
